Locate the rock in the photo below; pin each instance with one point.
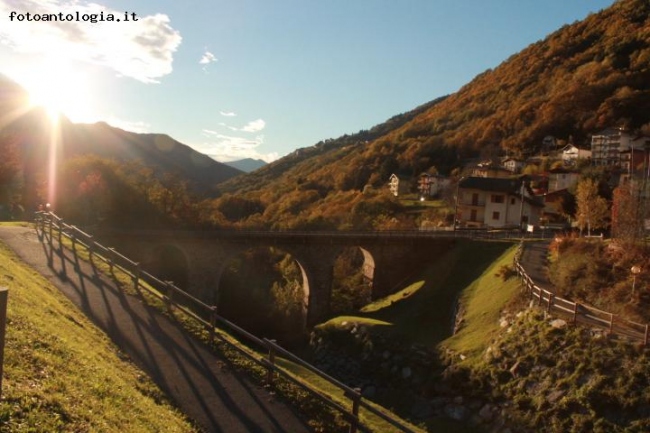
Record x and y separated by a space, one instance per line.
406 372
504 323
559 324
458 399
462 357
386 354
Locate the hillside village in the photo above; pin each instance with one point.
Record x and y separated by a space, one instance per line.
538 191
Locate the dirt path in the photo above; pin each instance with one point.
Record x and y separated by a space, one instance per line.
201 384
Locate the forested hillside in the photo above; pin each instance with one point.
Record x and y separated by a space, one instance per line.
29 139
579 80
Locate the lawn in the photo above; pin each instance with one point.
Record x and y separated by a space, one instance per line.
63 374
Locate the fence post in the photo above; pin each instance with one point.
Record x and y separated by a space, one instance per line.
73 238
4 295
60 230
270 372
550 302
170 295
49 224
356 402
575 313
91 248
611 322
213 321
645 335
110 258
136 277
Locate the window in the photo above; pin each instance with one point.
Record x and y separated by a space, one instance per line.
497 198
512 200
496 215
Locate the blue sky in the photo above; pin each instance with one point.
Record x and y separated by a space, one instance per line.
261 78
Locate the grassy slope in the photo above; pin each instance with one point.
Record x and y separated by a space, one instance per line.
62 374
423 309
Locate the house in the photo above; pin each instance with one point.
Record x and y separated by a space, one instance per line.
398 184
559 179
496 203
606 146
554 202
512 165
571 153
631 159
430 185
489 169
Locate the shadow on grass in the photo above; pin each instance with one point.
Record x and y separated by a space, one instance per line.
424 309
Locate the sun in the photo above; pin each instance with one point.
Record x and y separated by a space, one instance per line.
60 89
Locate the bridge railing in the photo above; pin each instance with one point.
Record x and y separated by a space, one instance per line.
268 352
581 313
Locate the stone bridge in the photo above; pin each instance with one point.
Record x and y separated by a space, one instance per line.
198 259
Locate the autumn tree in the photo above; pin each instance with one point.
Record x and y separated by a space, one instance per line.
626 216
591 209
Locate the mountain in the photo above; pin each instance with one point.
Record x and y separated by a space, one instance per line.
247 165
31 129
580 79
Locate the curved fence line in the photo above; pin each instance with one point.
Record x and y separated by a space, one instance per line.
206 315
581 313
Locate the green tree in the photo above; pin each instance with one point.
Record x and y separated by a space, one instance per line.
592 209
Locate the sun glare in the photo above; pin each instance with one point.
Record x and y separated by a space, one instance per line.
60 90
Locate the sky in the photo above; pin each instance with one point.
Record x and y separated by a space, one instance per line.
261 78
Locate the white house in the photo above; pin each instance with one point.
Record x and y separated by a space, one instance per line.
571 153
512 165
398 185
496 203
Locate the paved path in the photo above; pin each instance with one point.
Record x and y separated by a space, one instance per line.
534 260
200 383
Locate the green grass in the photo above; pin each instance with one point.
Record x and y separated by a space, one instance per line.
63 374
483 301
423 311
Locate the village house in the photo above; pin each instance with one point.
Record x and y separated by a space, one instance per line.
489 169
559 179
571 154
431 185
554 202
607 146
512 165
496 203
398 185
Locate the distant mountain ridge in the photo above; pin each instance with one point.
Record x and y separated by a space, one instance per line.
247 164
32 128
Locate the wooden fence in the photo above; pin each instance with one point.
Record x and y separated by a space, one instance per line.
206 315
581 313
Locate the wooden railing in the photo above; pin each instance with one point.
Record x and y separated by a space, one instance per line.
581 313
50 225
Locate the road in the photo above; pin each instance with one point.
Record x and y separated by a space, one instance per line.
201 384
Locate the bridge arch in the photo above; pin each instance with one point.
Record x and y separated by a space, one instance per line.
265 290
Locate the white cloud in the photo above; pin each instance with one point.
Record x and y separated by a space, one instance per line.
227 113
141 49
207 58
226 148
254 126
